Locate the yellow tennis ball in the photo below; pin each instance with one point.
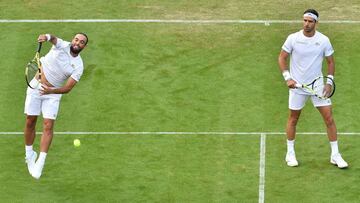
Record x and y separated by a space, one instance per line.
77 143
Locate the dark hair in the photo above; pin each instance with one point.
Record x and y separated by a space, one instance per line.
313 11
87 39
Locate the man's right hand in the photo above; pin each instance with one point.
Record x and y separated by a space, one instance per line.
291 83
42 38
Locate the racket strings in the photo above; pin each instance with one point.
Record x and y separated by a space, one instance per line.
320 85
32 70
33 66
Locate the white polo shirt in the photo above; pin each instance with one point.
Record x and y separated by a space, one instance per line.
58 65
307 55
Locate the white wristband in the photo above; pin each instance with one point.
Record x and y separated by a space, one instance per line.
48 37
330 79
286 75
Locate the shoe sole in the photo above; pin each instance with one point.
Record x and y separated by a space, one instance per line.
334 163
292 165
36 177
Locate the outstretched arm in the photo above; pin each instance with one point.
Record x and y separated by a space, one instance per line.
47 37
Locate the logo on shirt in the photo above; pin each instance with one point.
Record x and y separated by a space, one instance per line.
317 43
73 65
300 42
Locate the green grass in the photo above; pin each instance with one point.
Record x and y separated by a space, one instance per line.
153 168
180 9
315 180
177 78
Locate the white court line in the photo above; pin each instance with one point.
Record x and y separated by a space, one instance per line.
181 133
170 21
262 168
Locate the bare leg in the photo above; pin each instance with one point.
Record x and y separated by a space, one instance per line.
29 132
290 132
47 136
45 143
291 124
326 113
29 137
335 157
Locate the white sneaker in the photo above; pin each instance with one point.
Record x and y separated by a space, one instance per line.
37 170
30 161
338 160
291 159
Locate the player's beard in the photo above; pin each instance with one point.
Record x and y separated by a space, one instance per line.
75 51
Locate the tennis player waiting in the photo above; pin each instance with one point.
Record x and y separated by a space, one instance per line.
62 69
307 49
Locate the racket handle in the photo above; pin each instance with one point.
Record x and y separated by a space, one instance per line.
297 85
39 47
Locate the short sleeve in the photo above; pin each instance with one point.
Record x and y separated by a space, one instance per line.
287 46
329 50
76 75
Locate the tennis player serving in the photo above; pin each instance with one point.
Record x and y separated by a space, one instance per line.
62 68
307 49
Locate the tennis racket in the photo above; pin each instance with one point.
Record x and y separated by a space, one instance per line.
33 70
317 87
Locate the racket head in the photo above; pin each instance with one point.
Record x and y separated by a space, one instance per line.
33 70
319 85
31 73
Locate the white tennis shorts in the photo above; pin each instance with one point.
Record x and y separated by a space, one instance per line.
297 101
35 104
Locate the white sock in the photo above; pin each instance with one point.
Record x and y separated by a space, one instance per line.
290 146
334 147
28 150
42 157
